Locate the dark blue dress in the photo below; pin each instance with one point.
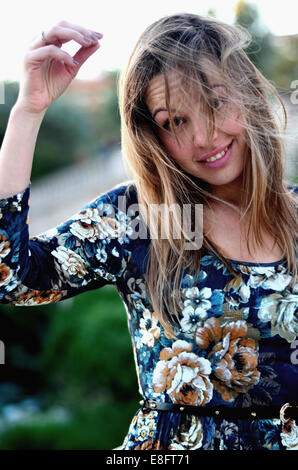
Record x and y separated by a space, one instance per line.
236 343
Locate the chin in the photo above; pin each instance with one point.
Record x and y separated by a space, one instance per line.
224 179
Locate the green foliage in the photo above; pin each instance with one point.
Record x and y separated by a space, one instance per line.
88 344
107 116
277 63
286 64
86 366
261 51
69 132
100 427
64 132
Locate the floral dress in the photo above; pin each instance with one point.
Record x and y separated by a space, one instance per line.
235 345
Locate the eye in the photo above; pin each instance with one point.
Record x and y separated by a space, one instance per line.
218 103
177 121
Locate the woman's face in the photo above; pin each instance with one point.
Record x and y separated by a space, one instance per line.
192 146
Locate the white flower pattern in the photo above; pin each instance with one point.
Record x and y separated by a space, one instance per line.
94 247
195 308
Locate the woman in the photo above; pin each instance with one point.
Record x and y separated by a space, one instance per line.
212 324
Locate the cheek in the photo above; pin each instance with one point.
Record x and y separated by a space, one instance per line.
233 124
172 146
179 151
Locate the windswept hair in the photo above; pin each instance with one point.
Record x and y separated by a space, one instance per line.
193 46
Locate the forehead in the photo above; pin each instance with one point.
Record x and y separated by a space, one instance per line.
156 90
179 90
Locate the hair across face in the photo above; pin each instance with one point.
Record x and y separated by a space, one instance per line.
182 129
189 88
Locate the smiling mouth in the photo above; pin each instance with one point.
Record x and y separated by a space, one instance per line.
219 155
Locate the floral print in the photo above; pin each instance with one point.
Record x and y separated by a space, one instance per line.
71 262
183 375
195 308
151 444
235 357
289 435
189 435
281 310
149 328
234 336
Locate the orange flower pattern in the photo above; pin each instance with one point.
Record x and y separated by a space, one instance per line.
235 357
183 375
235 336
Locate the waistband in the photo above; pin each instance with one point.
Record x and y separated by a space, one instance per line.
285 413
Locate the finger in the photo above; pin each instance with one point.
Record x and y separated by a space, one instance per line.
64 32
37 56
58 36
80 29
82 54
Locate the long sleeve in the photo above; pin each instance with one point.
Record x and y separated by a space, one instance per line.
87 251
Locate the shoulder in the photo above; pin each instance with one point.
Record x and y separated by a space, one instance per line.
125 188
115 200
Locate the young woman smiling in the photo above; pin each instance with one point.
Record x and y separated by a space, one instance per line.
212 327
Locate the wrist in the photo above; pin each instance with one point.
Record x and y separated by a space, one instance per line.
21 110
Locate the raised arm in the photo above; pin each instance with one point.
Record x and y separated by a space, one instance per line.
86 251
47 72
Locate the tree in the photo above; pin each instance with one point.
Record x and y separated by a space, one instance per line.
261 50
107 117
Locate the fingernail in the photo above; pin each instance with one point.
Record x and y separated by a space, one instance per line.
75 62
98 34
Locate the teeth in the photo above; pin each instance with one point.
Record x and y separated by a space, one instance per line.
217 156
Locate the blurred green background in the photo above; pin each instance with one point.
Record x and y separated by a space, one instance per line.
70 366
69 379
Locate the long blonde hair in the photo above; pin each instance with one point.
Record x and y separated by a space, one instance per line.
191 44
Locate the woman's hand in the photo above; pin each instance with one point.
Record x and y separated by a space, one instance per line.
48 70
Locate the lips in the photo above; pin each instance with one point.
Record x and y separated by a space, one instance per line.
212 154
219 162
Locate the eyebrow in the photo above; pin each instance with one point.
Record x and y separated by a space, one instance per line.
162 109
174 110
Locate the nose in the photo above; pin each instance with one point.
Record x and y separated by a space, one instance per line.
200 132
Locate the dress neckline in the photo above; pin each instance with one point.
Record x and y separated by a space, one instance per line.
250 263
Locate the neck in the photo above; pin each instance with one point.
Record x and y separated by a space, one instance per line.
230 192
